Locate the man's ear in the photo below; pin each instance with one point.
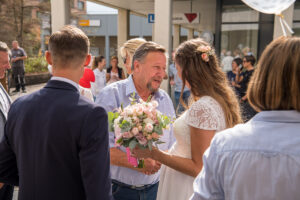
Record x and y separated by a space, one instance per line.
136 66
87 60
48 57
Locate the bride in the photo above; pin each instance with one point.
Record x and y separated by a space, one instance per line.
214 107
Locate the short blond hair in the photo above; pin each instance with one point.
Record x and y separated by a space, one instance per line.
130 46
275 84
4 47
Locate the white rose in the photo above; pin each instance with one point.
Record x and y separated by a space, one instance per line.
116 121
128 111
148 121
149 127
154 103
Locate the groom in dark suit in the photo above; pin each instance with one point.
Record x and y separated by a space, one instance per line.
56 141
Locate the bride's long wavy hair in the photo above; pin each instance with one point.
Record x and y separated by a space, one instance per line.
205 77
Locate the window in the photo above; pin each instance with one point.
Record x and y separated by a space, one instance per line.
80 5
296 19
239 30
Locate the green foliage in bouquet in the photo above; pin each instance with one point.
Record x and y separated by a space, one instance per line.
138 124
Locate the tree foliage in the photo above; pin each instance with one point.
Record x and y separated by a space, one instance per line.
19 21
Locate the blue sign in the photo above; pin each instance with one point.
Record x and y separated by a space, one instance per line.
151 18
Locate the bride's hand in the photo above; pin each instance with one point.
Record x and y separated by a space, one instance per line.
151 166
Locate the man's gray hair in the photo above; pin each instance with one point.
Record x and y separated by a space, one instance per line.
144 49
4 47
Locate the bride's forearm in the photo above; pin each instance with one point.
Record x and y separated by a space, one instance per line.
184 165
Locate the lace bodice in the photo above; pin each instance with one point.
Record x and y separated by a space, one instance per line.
206 114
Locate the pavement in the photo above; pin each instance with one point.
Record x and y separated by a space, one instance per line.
14 96
29 89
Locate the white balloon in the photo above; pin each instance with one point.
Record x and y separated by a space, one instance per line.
269 6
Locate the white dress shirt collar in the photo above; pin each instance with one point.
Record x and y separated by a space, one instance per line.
57 78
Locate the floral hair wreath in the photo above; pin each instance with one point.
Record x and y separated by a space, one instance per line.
206 52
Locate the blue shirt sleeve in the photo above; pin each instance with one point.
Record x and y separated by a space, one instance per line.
108 101
171 70
23 52
209 183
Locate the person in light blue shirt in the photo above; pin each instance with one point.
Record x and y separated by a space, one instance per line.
177 82
149 65
260 159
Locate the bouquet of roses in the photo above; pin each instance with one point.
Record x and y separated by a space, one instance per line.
140 123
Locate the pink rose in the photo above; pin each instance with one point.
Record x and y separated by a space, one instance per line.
142 140
135 119
204 57
135 131
140 128
147 111
127 135
148 127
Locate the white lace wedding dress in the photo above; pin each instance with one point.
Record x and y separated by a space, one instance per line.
205 114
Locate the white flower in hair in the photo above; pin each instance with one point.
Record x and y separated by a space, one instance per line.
206 52
204 49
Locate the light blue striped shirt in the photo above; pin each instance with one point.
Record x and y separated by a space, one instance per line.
256 160
110 98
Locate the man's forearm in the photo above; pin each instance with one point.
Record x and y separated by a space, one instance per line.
22 58
119 158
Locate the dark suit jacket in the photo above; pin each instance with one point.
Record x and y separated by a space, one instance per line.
56 146
6 192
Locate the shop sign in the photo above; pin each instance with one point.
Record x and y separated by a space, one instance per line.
151 18
186 18
89 22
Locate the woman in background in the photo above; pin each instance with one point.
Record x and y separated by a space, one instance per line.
100 75
231 75
127 52
114 73
243 78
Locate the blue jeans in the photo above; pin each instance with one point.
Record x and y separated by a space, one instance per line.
121 191
185 96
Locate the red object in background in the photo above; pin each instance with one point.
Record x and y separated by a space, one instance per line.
190 16
87 78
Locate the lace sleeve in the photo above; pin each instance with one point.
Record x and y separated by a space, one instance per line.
204 114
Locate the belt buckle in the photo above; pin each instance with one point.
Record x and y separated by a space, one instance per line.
137 186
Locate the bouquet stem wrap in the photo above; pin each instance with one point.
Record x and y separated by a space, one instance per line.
134 161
